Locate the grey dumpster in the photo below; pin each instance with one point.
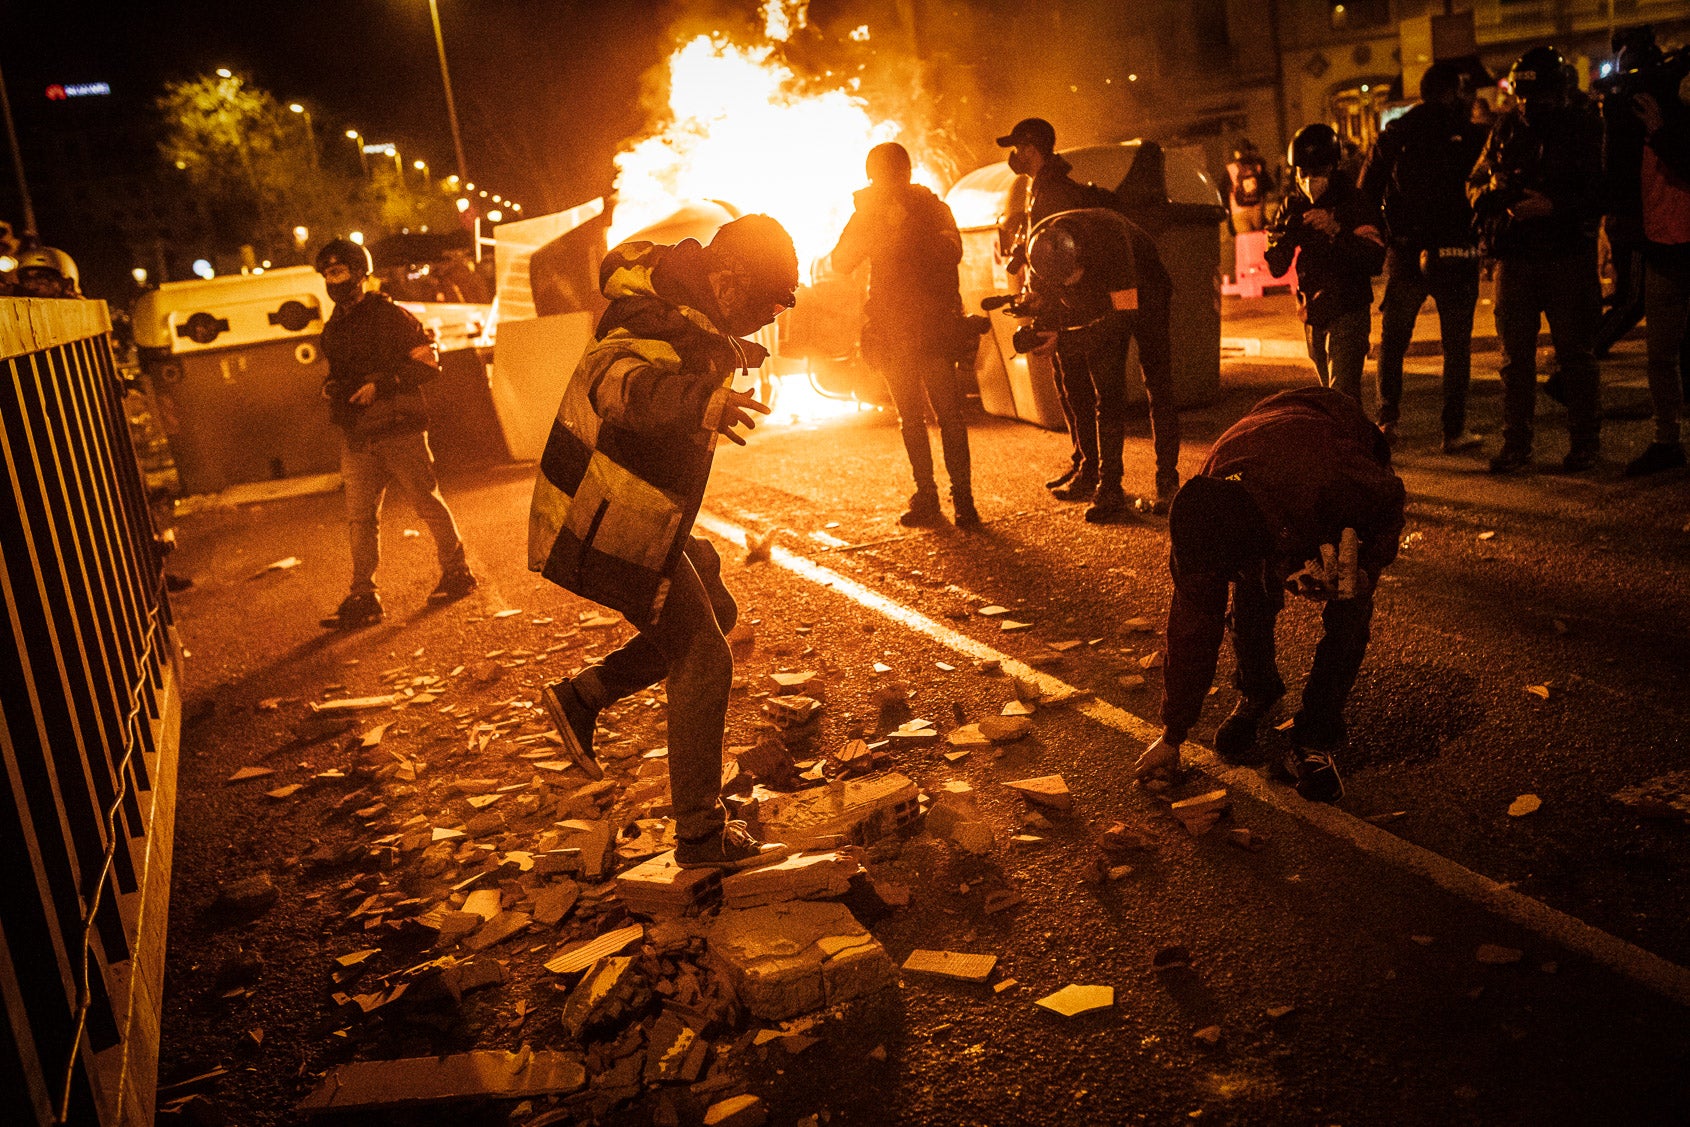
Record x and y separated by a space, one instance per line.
1024 387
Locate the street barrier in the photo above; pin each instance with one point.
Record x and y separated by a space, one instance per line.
89 726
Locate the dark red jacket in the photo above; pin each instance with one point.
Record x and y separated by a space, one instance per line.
1315 466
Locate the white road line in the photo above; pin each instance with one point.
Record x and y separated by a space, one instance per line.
1647 969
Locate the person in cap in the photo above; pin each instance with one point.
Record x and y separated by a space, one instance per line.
1247 187
47 272
1287 479
620 483
1335 237
379 358
1536 193
1091 362
914 330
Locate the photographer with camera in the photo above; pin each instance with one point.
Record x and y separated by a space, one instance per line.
1332 233
914 330
1536 200
1418 171
1646 147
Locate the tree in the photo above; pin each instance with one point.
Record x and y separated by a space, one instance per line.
252 159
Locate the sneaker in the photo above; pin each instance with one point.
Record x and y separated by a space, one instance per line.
574 722
923 511
1466 440
1317 775
1235 739
734 848
1081 487
1656 458
1511 461
1108 504
1580 458
361 608
1063 479
967 516
454 584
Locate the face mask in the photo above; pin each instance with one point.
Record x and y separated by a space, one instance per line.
342 292
1313 186
1020 162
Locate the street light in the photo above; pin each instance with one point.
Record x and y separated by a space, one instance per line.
446 82
310 133
357 139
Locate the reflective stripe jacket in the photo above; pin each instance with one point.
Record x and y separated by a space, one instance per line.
630 450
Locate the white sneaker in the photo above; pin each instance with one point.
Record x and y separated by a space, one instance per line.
1466 440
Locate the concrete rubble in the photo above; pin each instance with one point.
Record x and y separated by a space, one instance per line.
792 958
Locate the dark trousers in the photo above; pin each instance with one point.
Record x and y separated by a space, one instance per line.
918 380
1666 302
1091 369
1339 350
1568 292
1454 289
1347 623
688 647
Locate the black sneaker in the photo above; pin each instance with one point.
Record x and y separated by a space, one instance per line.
1235 739
454 584
1511 461
734 848
923 512
967 516
1063 479
361 608
1657 457
1316 773
574 722
1108 504
1081 487
1580 458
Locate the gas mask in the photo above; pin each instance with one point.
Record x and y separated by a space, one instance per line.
1021 161
1313 186
342 283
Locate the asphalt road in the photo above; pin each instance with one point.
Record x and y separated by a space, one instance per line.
1366 921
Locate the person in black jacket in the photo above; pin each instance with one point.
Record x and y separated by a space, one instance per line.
1418 171
379 357
1536 194
1332 233
912 321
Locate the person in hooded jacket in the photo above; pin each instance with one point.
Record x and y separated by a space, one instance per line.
913 321
1418 170
619 486
1332 233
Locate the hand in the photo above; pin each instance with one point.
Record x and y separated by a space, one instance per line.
1648 111
1532 205
1322 220
1046 345
1161 757
364 396
733 414
1312 583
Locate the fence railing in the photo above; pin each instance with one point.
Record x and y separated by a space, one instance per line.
90 714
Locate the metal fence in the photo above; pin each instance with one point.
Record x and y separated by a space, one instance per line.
88 729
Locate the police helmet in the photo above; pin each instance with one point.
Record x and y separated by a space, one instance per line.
1539 73
345 252
1054 253
1315 148
51 259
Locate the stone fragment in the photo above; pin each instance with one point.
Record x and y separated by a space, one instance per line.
968 736
792 958
1017 708
667 1048
1246 839
593 840
552 903
1048 791
951 964
609 989
461 1076
737 1111
249 894
806 876
1075 999
355 704
859 810
791 712
1005 729
794 684
660 887
1120 837
246 773
1209 1035
1523 805
484 903
974 837
1000 900
583 954
498 929
1201 806
1497 956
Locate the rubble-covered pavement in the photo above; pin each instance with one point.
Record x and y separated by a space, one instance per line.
393 890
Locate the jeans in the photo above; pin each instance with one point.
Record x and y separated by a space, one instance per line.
1454 289
688 646
1568 292
917 380
1347 627
368 467
1339 349
1091 366
1666 305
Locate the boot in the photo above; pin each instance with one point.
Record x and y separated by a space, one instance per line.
962 503
1235 739
1108 504
361 608
924 510
1081 487
1065 477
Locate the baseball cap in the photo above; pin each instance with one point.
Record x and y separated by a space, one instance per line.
1034 131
